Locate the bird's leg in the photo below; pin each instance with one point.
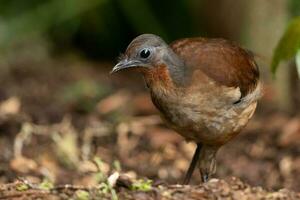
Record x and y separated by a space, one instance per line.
207 163
192 165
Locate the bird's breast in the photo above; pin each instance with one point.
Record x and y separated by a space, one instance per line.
207 116
181 115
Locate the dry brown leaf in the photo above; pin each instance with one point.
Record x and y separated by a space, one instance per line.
143 104
291 133
159 137
23 165
87 180
87 166
181 164
285 166
10 106
113 102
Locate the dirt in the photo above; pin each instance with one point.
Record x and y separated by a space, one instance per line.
67 121
214 189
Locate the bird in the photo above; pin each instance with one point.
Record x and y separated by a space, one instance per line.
206 89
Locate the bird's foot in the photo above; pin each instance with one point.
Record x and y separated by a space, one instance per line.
204 177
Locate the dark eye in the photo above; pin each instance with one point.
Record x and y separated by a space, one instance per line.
145 53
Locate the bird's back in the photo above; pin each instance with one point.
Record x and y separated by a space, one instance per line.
222 61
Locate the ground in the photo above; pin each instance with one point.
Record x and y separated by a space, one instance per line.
214 189
67 121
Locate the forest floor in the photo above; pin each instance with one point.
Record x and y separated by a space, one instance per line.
68 129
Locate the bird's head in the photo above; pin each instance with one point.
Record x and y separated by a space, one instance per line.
145 53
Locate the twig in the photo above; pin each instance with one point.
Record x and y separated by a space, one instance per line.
25 193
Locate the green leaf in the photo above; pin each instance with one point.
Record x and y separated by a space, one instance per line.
288 44
82 195
298 62
142 185
294 7
22 187
117 165
66 147
46 185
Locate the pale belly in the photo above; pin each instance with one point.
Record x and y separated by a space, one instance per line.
209 125
209 115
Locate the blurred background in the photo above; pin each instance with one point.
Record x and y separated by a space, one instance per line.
61 111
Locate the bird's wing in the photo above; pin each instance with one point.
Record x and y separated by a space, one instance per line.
220 60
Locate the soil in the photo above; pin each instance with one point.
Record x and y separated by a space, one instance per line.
67 121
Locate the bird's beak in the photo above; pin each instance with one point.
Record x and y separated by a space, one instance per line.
125 64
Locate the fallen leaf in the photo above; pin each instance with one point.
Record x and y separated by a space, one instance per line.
23 165
10 106
113 102
290 133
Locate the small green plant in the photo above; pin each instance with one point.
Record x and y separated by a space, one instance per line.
82 195
66 147
117 165
46 184
22 187
99 175
106 188
288 46
113 194
142 185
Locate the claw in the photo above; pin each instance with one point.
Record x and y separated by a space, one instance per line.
205 177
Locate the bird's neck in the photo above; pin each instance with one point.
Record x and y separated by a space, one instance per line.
159 78
165 76
161 86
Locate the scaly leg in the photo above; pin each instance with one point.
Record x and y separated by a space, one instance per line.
207 162
192 165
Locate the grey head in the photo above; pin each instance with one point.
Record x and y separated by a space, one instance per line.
145 52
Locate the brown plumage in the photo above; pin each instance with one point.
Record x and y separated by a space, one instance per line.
221 60
205 89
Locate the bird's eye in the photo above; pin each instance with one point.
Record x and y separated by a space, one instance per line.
145 53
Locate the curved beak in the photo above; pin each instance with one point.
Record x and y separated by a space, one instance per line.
125 64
